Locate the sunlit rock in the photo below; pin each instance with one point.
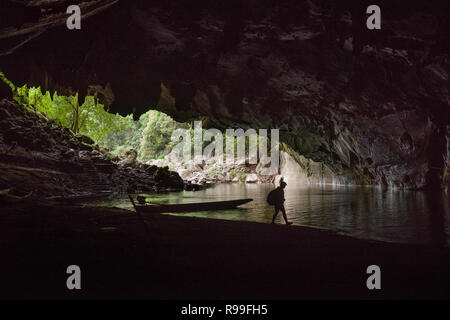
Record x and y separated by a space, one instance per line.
251 178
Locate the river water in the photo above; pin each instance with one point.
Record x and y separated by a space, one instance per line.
362 212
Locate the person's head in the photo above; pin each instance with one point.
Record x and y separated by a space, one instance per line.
283 184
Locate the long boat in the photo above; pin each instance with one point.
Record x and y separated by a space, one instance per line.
189 207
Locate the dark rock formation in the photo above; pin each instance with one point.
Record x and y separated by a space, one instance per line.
38 156
169 179
371 105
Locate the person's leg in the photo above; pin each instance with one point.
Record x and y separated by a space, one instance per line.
283 211
275 214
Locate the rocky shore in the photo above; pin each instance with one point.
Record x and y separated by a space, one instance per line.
39 156
212 171
294 168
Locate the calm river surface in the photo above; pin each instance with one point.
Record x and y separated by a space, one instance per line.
362 212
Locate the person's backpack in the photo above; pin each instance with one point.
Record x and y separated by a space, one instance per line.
271 197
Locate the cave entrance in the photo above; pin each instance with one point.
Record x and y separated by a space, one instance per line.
148 140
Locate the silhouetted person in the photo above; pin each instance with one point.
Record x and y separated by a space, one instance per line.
276 198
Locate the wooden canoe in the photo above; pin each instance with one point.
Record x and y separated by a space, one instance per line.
190 207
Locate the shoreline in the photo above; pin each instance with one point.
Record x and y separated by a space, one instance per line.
202 258
331 231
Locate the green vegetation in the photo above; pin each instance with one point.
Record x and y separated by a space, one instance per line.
7 82
156 137
150 136
241 176
89 118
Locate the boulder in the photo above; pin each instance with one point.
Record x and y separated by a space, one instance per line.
168 179
150 169
70 153
85 139
129 158
252 178
184 174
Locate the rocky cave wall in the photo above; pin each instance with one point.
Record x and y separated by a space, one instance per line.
372 106
41 158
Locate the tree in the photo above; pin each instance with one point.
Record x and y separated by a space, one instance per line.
150 136
156 137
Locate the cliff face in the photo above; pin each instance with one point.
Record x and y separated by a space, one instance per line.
370 105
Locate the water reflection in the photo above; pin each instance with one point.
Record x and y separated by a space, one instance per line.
364 212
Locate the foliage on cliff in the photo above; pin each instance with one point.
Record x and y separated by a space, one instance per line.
156 137
150 136
89 118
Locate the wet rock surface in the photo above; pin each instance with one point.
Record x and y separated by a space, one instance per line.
371 105
51 161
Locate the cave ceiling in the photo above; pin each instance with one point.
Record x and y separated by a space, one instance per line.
375 101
